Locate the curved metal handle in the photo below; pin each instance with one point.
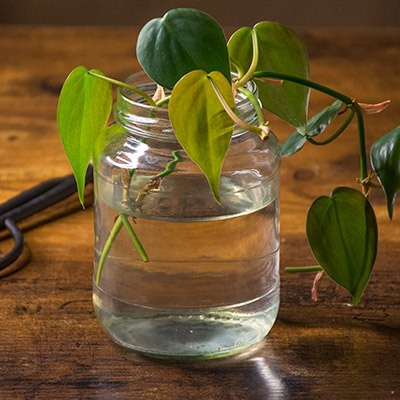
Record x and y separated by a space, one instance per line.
18 247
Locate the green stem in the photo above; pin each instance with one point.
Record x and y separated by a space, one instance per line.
294 270
305 82
126 86
248 75
135 239
363 149
340 96
254 102
163 101
107 247
238 67
229 111
122 220
336 134
170 167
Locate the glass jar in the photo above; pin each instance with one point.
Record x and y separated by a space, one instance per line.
177 274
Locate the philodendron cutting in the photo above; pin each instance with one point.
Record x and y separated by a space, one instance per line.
199 74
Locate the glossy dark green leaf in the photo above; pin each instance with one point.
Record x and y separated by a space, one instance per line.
385 159
200 122
280 50
342 234
84 107
315 126
182 41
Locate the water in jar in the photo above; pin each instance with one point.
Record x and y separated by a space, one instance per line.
211 285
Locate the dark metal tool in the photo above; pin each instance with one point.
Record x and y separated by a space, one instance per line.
32 201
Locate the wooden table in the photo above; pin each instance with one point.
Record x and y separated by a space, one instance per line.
51 346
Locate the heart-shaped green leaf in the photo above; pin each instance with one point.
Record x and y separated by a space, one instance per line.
315 126
385 159
280 50
200 122
342 234
182 41
84 107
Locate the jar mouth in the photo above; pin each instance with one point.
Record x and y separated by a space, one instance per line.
141 81
134 112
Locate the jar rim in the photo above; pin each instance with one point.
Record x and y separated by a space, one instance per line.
129 95
130 103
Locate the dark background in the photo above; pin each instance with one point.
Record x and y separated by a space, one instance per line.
230 13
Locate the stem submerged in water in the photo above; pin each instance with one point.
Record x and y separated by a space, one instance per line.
122 221
107 247
135 239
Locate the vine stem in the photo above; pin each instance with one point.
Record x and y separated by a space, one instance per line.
340 96
355 108
232 115
122 221
163 101
126 86
254 102
336 134
248 75
363 148
135 239
305 82
170 167
107 247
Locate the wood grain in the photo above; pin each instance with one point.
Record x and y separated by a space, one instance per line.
51 344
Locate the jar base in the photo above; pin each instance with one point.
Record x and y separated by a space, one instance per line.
193 334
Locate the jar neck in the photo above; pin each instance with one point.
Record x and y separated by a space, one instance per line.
141 119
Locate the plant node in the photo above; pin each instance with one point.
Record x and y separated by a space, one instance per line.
367 184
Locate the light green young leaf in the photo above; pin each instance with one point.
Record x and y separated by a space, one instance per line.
240 48
315 126
343 234
84 107
183 40
200 122
385 159
280 50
